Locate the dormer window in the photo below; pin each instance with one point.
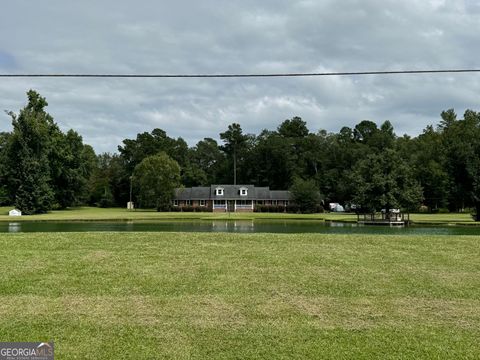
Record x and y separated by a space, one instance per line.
243 191
219 191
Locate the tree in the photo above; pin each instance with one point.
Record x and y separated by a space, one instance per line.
428 157
207 157
71 163
28 156
273 164
305 195
461 144
156 178
235 144
5 198
385 181
293 128
44 167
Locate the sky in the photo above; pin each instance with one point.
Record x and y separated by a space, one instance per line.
248 36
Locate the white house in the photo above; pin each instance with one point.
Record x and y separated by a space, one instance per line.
15 212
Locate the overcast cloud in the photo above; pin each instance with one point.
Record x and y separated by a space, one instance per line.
151 36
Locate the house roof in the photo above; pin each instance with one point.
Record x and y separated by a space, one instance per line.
231 192
262 193
280 195
195 193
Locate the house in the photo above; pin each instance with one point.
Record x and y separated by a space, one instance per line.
15 212
229 198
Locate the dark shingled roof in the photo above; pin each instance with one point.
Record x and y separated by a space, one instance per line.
200 193
231 192
280 195
183 193
262 193
195 193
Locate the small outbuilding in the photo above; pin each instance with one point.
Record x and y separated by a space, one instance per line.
14 212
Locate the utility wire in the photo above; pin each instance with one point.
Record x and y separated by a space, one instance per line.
353 73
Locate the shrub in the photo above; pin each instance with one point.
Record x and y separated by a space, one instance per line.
269 208
165 208
187 208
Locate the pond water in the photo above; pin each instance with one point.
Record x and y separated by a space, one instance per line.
235 226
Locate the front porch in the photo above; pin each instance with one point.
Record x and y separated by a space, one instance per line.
233 205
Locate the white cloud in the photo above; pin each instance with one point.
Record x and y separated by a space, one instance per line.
237 36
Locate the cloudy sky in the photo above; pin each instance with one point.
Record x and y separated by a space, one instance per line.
248 36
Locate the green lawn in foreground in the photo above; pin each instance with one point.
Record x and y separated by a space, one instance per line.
114 214
202 296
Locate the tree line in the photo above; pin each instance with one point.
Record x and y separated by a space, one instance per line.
367 167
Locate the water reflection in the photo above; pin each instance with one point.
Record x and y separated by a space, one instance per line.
14 227
234 226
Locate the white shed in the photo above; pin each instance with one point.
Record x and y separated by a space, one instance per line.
15 212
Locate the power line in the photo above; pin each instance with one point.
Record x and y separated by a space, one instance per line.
349 73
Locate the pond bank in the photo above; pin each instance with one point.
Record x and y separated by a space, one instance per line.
84 214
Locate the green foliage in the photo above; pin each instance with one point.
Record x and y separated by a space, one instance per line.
43 167
294 128
28 155
305 195
156 177
385 181
236 146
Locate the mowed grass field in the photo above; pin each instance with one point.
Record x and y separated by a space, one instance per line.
120 214
244 296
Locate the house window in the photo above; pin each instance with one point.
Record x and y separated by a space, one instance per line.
274 202
286 202
243 191
219 204
219 191
188 202
202 202
175 202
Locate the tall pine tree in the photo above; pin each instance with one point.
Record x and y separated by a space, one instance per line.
28 151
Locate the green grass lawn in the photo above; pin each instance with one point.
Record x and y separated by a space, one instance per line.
93 213
117 214
261 296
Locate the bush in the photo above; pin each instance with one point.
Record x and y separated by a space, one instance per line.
293 209
423 209
187 208
164 208
269 208
202 209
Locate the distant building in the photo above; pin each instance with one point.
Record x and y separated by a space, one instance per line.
231 198
15 212
336 207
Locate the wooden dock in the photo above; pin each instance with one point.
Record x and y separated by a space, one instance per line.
382 219
382 223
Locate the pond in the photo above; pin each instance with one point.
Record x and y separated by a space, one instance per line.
234 226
